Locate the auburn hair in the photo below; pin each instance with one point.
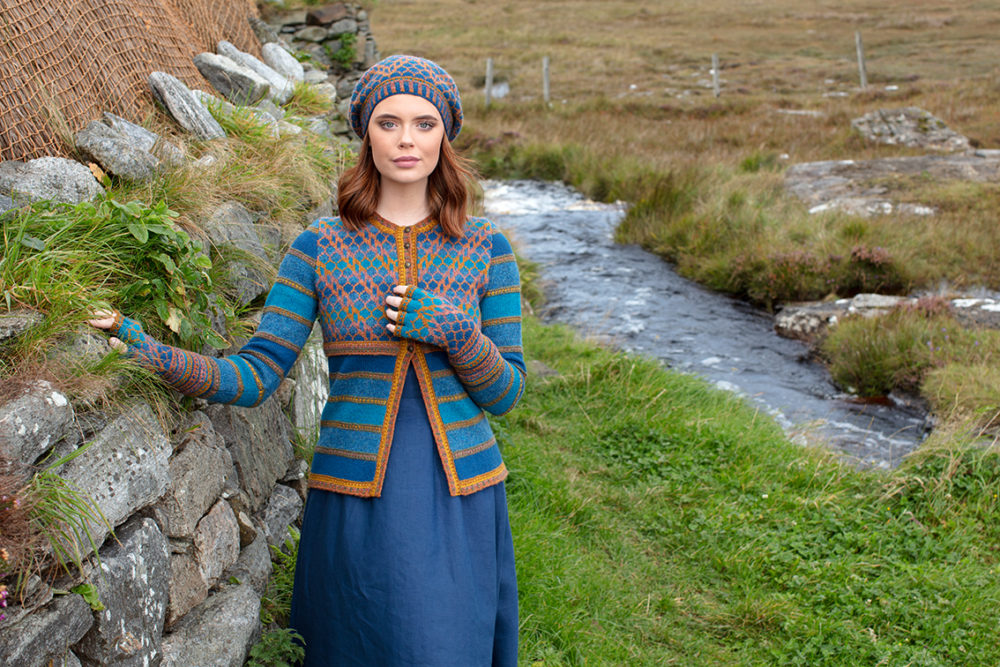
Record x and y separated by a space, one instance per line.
450 189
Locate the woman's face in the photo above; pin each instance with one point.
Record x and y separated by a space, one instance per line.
405 133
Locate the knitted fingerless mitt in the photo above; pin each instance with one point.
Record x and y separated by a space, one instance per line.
428 318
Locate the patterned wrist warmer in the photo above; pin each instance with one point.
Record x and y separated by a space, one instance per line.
127 330
431 319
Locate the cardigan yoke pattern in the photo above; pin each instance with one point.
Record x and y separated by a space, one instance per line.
467 287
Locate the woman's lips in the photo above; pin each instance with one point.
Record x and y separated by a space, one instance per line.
406 161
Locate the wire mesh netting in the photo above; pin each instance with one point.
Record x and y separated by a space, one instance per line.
63 63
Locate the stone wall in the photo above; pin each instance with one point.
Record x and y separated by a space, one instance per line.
194 504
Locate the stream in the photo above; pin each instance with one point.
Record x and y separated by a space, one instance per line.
627 297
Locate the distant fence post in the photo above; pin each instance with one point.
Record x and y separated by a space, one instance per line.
545 79
489 81
715 74
860 48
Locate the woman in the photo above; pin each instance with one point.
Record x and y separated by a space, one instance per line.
406 555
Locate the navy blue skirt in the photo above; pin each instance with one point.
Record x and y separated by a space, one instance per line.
414 577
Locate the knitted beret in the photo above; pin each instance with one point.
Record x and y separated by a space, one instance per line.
406 75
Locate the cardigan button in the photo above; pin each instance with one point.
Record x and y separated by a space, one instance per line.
409 348
406 265
406 245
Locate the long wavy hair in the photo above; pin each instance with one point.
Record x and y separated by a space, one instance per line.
450 189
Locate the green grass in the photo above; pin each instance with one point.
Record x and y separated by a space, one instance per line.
920 351
658 521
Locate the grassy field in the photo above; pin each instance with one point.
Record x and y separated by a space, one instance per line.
658 521
633 117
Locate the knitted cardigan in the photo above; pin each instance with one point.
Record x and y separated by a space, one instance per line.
343 277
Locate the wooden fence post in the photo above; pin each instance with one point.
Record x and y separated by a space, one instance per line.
715 74
545 79
489 81
860 48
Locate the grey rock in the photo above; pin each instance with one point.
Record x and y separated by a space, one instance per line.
853 185
133 588
285 128
371 55
328 14
872 303
34 421
210 101
271 109
283 508
46 634
259 441
340 128
205 161
345 87
347 25
281 87
248 530
977 311
182 105
81 348
283 62
313 33
187 587
115 153
328 90
54 178
296 17
317 76
238 84
218 632
15 322
808 321
68 660
124 468
298 470
253 566
249 270
320 126
312 383
148 141
264 31
216 542
197 475
6 204
910 126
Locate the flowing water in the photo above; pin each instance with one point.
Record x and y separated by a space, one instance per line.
628 297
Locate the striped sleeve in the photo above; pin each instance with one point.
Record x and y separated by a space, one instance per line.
248 377
491 367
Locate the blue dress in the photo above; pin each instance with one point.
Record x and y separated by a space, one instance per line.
416 577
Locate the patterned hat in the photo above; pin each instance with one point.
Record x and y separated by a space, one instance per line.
406 75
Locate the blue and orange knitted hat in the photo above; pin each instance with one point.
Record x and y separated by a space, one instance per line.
406 75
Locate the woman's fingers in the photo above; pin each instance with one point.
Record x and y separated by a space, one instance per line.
102 319
392 315
400 290
117 345
394 301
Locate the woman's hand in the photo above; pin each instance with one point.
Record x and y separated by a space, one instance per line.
392 312
420 315
105 320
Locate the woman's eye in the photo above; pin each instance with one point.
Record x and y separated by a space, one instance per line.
426 125
387 124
